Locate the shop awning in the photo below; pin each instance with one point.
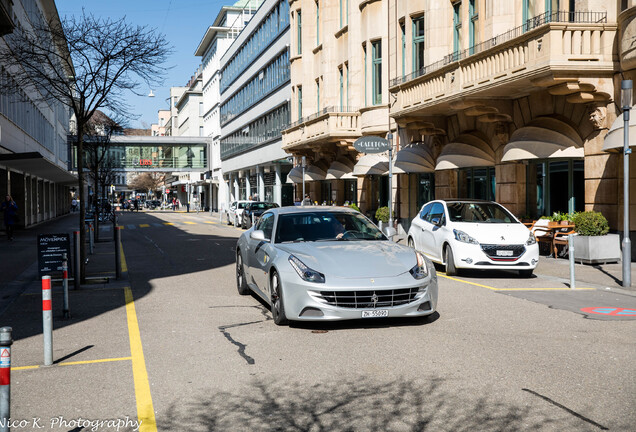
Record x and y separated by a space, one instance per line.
465 151
34 164
314 173
415 159
372 164
544 138
614 138
341 168
295 175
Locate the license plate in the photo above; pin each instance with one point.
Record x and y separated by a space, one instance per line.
504 253
378 313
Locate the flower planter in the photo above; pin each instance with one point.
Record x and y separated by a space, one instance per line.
597 249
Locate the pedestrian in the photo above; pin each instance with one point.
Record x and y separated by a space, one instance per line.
174 204
10 210
74 205
307 200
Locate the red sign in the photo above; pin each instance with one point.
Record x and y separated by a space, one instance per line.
145 162
167 190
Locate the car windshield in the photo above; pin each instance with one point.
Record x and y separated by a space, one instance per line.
325 226
241 205
262 205
478 212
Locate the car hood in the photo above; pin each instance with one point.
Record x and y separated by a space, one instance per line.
354 259
495 233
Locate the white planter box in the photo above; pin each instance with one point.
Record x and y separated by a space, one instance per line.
597 249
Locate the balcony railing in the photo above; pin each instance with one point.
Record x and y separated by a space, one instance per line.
326 110
532 23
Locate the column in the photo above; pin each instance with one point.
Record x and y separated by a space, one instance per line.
248 185
261 183
278 186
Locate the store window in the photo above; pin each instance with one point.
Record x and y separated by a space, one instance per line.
351 191
425 188
477 183
555 186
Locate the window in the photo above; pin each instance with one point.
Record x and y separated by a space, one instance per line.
299 92
527 13
418 43
317 22
266 224
403 31
473 30
299 33
200 131
366 79
377 72
341 80
457 26
318 95
477 183
200 108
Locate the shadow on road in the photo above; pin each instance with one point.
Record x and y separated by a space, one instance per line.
352 405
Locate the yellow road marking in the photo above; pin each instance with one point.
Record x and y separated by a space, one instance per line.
143 225
168 223
122 258
189 223
209 222
145 410
76 363
511 289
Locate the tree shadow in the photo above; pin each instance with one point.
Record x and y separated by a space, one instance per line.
354 405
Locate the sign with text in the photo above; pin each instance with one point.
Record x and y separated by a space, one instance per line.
371 144
51 248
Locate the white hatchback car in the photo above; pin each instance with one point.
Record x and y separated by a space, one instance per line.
234 214
473 234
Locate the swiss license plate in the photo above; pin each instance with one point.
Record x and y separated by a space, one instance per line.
504 253
378 313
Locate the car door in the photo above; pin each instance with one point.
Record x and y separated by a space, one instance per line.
262 252
418 227
432 235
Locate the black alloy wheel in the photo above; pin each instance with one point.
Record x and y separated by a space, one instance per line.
241 283
278 309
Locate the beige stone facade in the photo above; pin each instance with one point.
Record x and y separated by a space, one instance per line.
508 100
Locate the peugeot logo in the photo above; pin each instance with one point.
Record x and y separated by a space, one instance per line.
502 237
374 299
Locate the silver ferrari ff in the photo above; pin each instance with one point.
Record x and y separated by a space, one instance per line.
331 263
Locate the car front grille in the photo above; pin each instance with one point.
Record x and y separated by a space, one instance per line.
491 251
369 298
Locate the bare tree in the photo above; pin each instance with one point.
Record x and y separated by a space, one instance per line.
86 63
148 181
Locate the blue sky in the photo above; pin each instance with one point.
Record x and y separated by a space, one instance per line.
183 22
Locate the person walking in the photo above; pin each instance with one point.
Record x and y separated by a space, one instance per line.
10 210
307 200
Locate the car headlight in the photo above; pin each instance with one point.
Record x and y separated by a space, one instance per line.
305 272
531 240
420 271
463 237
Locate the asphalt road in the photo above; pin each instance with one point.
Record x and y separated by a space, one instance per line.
216 361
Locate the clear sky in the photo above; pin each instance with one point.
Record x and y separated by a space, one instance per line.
183 22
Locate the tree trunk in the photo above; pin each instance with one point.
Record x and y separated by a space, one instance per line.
83 199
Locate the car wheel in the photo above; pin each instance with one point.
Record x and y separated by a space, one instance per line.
227 217
243 223
451 270
411 243
241 283
278 309
526 273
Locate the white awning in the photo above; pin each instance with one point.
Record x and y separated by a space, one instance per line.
372 164
614 138
341 168
466 150
543 138
314 173
415 159
295 175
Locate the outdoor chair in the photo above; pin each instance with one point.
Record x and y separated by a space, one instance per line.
542 233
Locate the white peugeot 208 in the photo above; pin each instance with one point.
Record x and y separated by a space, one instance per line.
473 234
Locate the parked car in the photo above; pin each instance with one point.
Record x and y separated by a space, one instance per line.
331 263
234 213
255 209
473 234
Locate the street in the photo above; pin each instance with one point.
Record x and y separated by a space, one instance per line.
209 359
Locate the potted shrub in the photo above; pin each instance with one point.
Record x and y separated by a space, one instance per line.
382 216
593 244
354 206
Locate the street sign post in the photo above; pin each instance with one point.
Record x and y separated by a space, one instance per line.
51 250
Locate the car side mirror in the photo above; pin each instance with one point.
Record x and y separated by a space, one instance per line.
257 235
389 231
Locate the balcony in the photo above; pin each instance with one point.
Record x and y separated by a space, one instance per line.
547 50
331 124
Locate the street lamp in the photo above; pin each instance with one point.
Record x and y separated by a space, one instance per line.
626 99
390 139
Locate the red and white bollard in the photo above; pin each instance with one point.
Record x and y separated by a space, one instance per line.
47 320
6 340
